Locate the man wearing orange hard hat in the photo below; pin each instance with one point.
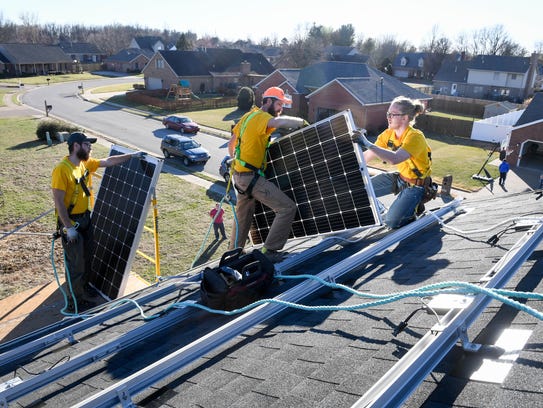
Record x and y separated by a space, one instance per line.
248 146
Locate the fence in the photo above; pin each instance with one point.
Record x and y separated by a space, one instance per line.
158 99
445 126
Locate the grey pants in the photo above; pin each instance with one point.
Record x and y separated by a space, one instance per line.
269 195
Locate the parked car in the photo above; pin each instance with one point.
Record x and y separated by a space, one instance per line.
190 151
183 124
224 168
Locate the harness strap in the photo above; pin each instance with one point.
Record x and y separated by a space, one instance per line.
78 182
414 168
249 166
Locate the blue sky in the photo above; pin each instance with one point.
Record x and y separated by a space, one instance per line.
235 19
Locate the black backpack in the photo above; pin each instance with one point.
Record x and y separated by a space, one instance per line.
238 280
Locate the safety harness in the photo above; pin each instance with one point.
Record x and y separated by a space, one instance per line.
79 181
414 169
257 171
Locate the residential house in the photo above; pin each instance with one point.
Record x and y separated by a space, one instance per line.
525 145
83 53
128 60
210 70
519 131
34 59
491 77
409 65
325 88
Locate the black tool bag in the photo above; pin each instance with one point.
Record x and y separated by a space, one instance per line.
238 280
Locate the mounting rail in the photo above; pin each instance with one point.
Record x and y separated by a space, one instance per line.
122 391
407 374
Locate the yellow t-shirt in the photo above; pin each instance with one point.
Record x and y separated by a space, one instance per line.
414 142
255 134
64 178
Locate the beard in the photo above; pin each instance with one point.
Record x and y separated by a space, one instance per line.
272 111
82 155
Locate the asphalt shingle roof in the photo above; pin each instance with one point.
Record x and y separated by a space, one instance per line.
33 54
327 358
193 63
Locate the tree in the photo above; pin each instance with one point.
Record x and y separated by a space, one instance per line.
184 43
343 36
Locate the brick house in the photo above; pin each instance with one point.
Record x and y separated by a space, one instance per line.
525 146
213 70
325 88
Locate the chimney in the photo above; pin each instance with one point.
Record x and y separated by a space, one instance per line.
245 68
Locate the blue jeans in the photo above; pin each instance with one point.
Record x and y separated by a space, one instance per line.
402 210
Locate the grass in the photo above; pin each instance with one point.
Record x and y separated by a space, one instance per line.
25 194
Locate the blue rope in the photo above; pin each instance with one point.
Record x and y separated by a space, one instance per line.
453 287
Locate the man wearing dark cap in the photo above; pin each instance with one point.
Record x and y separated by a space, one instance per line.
71 183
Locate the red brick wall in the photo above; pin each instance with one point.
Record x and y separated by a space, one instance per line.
518 136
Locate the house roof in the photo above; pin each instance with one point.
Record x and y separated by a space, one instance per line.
129 54
319 358
500 63
79 48
368 91
195 63
33 54
453 71
320 73
533 112
412 59
363 81
147 42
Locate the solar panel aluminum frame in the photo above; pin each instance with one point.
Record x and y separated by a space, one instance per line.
324 173
118 218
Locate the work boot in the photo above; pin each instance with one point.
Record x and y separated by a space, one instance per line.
273 255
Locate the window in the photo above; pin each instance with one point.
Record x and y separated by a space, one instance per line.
496 76
421 62
159 63
403 62
513 76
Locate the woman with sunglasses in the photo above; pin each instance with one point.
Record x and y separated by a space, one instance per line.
406 147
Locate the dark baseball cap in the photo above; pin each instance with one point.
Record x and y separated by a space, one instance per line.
78 137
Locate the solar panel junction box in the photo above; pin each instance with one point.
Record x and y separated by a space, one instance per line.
441 304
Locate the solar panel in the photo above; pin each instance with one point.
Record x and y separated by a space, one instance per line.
323 172
118 217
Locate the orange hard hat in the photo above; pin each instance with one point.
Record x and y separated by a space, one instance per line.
277 93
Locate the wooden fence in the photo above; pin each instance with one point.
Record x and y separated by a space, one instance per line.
158 99
445 126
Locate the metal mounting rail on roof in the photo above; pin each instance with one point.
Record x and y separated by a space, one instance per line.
123 390
68 332
20 389
25 387
406 375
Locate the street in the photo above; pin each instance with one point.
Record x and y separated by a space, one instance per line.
122 127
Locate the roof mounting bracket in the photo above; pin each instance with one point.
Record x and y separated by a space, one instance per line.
466 344
124 398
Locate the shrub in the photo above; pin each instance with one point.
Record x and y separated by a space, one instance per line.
246 98
53 126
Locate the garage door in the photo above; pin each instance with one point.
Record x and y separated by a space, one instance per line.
154 83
